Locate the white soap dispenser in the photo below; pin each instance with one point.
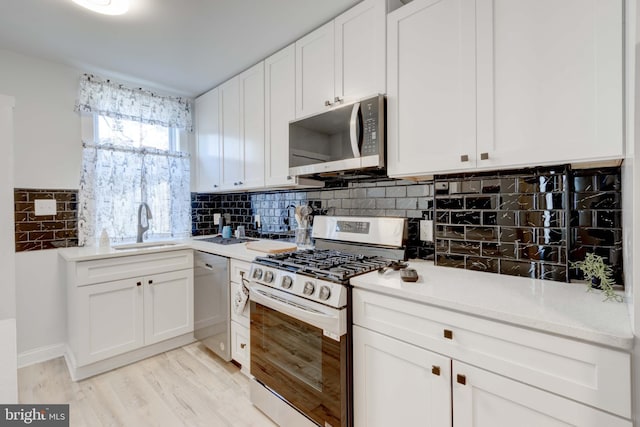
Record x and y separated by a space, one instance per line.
104 239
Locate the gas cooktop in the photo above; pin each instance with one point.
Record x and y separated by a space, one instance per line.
327 264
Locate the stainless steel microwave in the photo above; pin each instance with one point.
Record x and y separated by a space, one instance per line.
349 138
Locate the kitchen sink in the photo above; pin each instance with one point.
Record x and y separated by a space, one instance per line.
144 245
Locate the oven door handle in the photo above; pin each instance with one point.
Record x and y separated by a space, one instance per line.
331 321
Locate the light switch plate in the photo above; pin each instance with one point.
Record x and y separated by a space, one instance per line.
45 207
426 230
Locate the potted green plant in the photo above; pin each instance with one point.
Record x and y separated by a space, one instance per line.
599 275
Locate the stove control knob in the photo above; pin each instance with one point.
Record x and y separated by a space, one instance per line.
257 274
268 276
325 293
287 282
308 288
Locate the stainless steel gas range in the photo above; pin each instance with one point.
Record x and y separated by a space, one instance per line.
301 319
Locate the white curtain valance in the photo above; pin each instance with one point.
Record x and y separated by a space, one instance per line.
114 100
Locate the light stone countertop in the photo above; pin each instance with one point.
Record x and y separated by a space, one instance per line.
237 251
554 307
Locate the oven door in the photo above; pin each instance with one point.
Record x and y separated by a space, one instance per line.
299 350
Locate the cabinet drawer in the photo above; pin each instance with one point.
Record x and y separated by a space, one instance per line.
595 375
237 269
240 346
104 270
242 318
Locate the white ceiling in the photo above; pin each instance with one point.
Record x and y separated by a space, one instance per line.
183 47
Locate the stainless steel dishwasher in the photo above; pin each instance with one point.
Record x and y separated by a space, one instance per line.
211 303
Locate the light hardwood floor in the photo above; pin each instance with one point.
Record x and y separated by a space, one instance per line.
188 386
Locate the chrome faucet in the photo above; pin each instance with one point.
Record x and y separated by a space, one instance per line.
142 227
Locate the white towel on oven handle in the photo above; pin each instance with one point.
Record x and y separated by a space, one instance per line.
240 298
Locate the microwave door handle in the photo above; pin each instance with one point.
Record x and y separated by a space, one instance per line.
355 127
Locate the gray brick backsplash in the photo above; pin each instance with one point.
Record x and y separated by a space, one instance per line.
395 212
396 191
327 195
358 193
422 190
408 203
363 204
386 203
341 194
376 192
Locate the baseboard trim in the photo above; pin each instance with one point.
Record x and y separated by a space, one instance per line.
41 354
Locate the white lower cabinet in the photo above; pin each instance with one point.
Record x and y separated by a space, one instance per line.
240 343
129 316
484 399
399 384
420 365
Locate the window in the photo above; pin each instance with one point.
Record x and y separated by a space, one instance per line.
128 161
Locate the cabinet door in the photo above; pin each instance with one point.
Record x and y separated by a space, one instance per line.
360 46
314 71
112 315
398 384
280 109
251 84
208 142
481 398
232 150
240 346
168 305
549 81
431 87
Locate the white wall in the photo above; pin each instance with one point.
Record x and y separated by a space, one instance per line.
7 281
47 154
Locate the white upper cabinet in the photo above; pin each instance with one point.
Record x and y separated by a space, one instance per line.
360 60
501 83
208 142
280 109
431 88
342 60
241 119
314 71
232 152
549 81
251 84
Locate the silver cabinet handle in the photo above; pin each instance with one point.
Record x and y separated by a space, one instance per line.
289 177
484 156
338 99
215 185
464 158
327 103
239 182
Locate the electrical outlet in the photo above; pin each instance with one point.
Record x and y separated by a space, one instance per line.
426 230
216 219
256 219
45 207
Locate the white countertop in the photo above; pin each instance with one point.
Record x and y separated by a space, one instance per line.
555 307
237 251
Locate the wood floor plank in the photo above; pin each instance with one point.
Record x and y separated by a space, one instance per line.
188 386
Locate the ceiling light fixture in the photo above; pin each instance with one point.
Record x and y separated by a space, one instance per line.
107 7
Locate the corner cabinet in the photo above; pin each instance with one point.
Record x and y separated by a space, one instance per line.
420 365
208 161
125 308
503 84
343 60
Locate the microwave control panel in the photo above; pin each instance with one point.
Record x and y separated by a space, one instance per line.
371 138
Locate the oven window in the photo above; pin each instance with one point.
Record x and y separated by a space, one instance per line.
299 363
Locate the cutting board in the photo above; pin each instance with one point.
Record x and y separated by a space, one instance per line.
271 246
